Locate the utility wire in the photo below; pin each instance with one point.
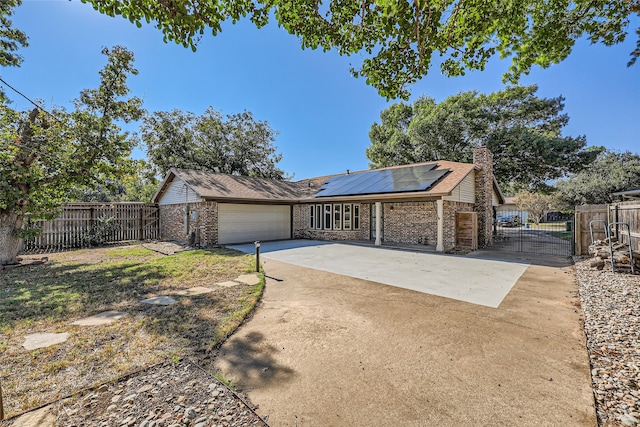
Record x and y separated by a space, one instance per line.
80 137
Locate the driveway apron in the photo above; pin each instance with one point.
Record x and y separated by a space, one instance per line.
325 349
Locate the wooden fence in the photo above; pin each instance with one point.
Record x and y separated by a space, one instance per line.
627 212
86 224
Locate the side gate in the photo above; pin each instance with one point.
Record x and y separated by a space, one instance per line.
515 231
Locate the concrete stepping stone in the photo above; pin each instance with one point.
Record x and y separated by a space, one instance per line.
198 290
35 341
249 279
159 300
104 318
228 284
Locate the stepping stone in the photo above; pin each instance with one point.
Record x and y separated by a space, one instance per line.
36 418
228 284
198 290
35 341
159 300
249 279
100 319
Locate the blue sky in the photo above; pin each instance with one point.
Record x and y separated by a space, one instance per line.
322 114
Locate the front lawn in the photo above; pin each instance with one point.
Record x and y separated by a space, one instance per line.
72 285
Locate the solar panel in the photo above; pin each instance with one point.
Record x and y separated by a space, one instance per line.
396 180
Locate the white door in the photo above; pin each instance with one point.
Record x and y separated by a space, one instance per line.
240 223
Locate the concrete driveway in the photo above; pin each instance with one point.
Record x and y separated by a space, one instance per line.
325 349
475 280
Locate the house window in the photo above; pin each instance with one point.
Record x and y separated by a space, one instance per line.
337 217
312 216
356 217
346 213
318 217
327 217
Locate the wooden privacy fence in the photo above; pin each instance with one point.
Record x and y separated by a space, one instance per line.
627 212
86 224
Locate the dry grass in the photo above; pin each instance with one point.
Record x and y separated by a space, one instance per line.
47 298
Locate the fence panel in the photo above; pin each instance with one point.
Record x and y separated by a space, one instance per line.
83 224
629 213
584 215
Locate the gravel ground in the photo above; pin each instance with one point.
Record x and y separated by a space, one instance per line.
169 395
611 305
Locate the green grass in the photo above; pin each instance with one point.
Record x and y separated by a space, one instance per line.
48 297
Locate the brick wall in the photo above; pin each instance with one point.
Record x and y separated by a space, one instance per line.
302 230
417 222
483 158
172 222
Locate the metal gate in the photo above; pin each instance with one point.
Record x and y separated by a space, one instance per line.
515 232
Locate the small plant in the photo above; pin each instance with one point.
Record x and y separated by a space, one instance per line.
175 360
220 377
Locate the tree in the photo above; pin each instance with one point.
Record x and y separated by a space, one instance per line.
237 145
137 183
523 131
611 172
536 204
43 156
11 39
399 39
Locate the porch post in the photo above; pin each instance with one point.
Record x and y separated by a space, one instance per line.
440 214
378 223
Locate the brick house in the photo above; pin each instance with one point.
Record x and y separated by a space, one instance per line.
442 204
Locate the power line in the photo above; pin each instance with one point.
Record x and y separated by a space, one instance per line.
81 138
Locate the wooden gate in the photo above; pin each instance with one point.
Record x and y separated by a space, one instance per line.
467 230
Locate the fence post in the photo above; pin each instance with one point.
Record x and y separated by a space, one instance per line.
1 404
577 233
141 217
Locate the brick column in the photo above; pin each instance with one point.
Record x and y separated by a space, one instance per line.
483 159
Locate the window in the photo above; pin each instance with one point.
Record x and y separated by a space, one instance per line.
312 216
337 217
356 217
318 217
346 213
334 216
327 217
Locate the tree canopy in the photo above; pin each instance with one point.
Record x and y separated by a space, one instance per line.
236 144
536 204
609 173
138 184
44 156
523 131
11 39
399 39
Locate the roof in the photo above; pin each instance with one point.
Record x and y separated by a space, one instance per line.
443 187
212 185
384 181
630 193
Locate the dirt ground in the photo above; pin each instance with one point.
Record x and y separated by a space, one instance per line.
329 350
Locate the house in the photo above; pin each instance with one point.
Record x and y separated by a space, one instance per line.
509 209
630 194
443 204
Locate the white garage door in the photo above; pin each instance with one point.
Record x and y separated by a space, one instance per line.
238 223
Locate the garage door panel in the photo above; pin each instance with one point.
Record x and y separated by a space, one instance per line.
245 223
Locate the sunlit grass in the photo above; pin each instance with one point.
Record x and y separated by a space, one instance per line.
47 298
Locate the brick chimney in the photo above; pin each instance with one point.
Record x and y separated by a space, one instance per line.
483 159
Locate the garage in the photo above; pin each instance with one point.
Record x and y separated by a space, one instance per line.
238 223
